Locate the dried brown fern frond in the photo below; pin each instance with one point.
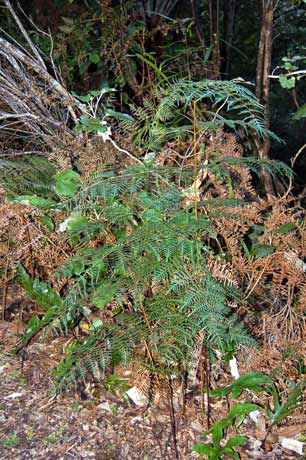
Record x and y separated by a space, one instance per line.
24 239
264 241
222 271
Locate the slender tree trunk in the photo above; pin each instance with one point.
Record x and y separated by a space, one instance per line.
197 24
199 31
260 56
214 15
229 22
262 80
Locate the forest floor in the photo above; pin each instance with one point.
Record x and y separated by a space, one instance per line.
99 424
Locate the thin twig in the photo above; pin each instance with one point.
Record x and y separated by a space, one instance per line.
301 73
5 283
290 186
25 34
172 415
207 373
125 151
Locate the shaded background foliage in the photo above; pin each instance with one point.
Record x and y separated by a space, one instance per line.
125 44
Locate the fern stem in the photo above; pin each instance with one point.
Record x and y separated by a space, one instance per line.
207 373
184 390
202 381
195 160
172 415
5 286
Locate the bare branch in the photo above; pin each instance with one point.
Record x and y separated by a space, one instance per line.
25 34
12 50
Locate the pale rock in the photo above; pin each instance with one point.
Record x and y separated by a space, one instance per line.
13 396
234 368
105 406
254 415
137 396
135 420
254 444
292 444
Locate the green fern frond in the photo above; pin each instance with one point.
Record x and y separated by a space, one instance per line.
227 103
154 269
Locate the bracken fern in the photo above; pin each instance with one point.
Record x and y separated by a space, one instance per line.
147 276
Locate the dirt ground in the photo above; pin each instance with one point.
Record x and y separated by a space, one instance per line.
99 424
76 426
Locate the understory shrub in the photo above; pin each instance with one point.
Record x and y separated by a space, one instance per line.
140 276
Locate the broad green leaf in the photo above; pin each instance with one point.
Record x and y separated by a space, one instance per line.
203 449
26 280
94 58
285 228
118 115
75 222
90 124
82 98
301 113
47 221
287 83
301 437
222 391
287 407
67 182
71 222
217 432
242 409
236 441
253 380
104 295
33 325
40 291
79 228
261 250
35 201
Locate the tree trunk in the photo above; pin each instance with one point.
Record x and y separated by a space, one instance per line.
196 20
214 15
263 83
229 22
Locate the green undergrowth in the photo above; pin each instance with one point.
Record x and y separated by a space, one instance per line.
141 255
139 274
30 174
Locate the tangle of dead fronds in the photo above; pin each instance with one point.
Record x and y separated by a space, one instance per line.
35 107
265 241
25 239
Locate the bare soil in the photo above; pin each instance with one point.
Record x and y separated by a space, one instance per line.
98 424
